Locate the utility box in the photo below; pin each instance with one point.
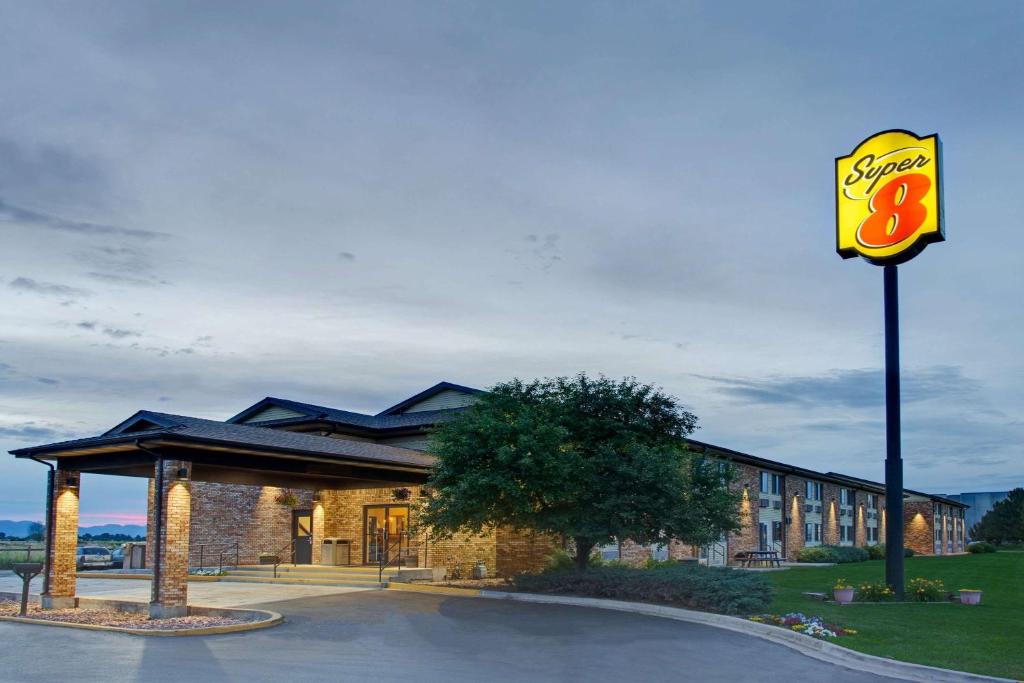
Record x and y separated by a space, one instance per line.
336 551
134 556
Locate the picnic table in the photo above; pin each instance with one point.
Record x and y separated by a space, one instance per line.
761 557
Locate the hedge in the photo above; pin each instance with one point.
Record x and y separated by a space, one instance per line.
833 553
877 552
981 547
709 589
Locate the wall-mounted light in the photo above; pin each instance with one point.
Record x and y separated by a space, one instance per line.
316 497
72 481
181 473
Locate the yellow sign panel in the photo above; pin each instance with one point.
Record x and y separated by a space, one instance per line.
889 197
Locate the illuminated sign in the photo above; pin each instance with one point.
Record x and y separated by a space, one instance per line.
889 197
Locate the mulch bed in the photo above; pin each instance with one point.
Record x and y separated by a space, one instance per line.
109 617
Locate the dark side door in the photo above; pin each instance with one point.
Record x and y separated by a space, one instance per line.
302 536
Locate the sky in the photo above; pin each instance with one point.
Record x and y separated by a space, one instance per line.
202 204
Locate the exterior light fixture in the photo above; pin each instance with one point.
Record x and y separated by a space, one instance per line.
316 496
72 481
182 473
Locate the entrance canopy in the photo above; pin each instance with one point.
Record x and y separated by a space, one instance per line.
237 454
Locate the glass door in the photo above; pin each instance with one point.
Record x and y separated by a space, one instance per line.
386 530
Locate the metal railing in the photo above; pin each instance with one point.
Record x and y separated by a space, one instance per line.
220 550
290 546
389 554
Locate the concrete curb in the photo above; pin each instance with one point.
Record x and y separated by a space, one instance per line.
812 647
440 590
139 577
269 619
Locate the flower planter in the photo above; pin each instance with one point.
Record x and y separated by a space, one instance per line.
970 597
844 596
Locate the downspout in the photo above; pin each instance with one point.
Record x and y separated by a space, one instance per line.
158 503
50 477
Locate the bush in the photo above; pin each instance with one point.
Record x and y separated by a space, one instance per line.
877 552
832 553
981 547
710 589
926 590
874 592
561 561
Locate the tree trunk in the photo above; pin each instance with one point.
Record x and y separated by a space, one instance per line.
584 546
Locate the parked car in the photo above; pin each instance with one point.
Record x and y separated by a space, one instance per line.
93 557
117 557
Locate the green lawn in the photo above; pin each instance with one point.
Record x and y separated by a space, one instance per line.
986 639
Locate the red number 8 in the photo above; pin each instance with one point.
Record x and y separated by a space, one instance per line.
897 203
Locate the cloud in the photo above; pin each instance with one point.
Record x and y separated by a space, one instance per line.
47 380
116 333
346 256
17 215
130 281
32 431
862 388
27 284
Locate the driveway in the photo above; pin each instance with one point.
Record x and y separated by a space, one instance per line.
393 636
211 594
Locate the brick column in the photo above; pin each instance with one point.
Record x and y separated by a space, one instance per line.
61 565
794 510
170 556
318 526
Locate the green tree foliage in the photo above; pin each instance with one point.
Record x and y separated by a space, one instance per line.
1004 522
592 460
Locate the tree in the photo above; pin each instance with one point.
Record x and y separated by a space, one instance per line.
35 531
593 460
1004 522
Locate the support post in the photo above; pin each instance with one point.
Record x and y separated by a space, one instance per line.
170 562
61 563
893 456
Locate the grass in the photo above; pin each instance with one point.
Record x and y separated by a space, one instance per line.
9 557
986 639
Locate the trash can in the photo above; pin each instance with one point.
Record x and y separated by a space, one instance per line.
329 551
343 551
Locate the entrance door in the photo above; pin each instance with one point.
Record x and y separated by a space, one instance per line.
385 530
302 536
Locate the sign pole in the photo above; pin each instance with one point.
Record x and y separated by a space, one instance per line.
893 457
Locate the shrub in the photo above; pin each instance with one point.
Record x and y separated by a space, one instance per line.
981 547
832 553
560 561
710 589
877 552
926 590
874 592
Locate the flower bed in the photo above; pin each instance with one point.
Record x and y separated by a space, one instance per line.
112 617
810 626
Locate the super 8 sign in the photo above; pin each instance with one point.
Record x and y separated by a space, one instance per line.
889 197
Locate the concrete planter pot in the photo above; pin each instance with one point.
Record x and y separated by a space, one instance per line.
844 596
480 570
970 597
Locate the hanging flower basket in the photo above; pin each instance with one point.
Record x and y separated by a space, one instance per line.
287 499
402 493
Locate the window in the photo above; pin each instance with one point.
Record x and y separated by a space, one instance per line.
846 496
812 490
842 533
776 532
764 482
808 533
771 483
872 501
777 484
762 536
817 532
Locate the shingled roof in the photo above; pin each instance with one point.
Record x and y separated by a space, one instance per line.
145 425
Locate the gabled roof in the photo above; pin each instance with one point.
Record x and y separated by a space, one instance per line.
427 393
392 418
193 429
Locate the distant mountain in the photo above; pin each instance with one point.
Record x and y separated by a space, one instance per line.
19 529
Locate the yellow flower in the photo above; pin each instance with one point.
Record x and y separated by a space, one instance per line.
850 632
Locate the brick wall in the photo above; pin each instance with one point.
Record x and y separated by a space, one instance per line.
223 514
918 529
522 551
746 539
